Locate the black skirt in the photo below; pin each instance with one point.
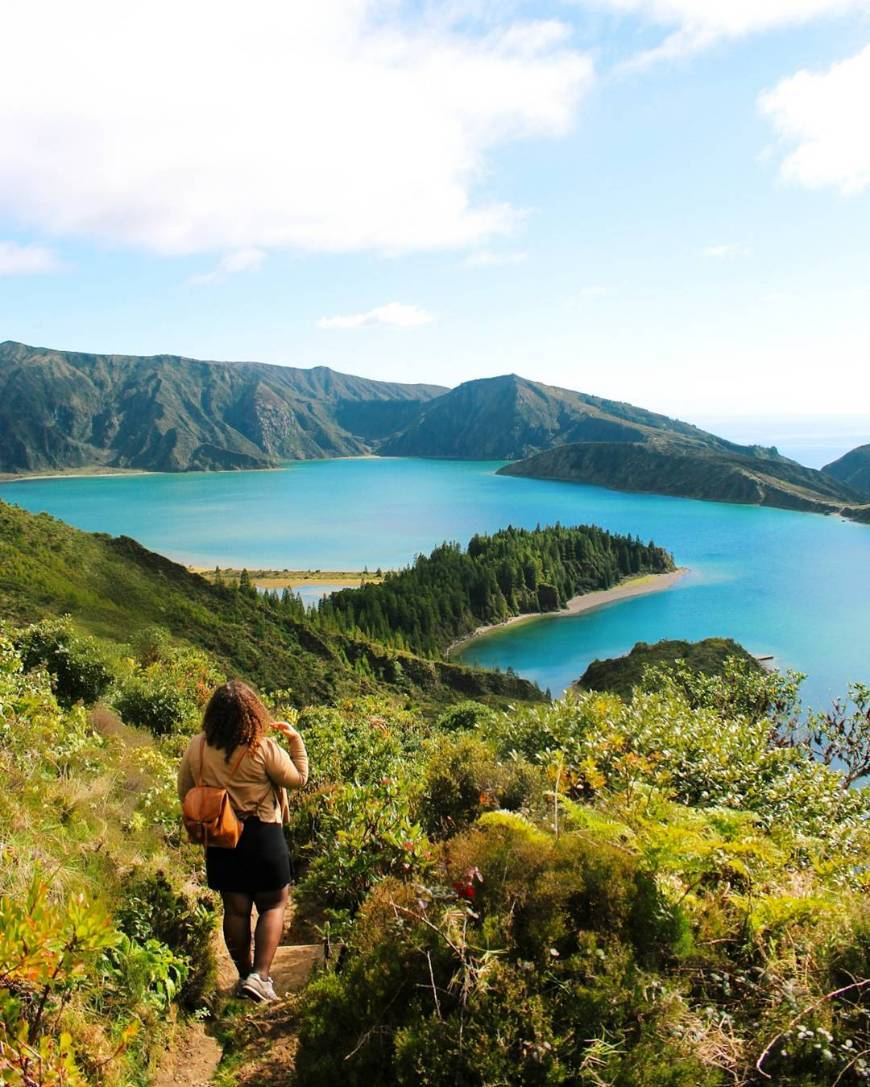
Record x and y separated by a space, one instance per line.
260 861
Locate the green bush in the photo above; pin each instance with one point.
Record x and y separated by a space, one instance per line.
706 740
462 778
367 833
464 716
506 971
154 703
169 689
145 973
78 666
360 742
153 910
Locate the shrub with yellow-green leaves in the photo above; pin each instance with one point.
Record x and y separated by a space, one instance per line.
679 898
167 689
704 740
85 987
354 748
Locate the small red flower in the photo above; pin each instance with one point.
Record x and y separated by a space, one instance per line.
465 887
464 890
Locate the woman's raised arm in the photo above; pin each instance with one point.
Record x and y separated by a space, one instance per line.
288 770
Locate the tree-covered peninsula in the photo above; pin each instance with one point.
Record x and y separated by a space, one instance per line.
117 591
445 596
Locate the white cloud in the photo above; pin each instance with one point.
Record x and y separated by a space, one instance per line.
27 260
726 252
823 117
696 24
243 260
333 126
395 314
486 258
592 291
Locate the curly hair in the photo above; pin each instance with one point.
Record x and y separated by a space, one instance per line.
234 715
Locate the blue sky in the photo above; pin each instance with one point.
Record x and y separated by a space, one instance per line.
662 201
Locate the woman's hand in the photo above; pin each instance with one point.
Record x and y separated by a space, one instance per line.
286 730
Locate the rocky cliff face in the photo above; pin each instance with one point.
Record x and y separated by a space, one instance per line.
63 409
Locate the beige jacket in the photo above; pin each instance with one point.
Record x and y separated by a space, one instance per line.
258 786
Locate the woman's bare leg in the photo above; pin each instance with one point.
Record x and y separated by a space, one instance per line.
237 929
270 926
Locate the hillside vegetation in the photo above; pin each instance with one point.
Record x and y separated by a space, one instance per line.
666 891
691 470
446 596
68 409
104 934
116 589
853 468
620 675
509 417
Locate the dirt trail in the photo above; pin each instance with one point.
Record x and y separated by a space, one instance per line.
191 1062
194 1059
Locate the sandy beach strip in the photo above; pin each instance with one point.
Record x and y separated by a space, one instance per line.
599 598
295 579
74 473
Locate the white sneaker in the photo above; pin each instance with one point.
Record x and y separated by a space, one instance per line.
259 989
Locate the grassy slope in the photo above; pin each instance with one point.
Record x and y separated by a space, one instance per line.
113 588
852 468
508 417
685 469
621 675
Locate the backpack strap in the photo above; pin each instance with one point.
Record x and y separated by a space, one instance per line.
201 760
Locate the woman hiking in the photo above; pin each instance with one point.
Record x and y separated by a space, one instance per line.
233 752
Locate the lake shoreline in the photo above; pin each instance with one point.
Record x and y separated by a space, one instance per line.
77 473
99 471
578 605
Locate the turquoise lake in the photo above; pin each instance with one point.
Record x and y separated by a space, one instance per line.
791 584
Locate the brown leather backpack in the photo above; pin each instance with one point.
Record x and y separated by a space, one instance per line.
207 812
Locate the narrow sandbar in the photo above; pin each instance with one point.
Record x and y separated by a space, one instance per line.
73 473
295 579
600 598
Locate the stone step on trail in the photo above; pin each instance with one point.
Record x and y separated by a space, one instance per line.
293 965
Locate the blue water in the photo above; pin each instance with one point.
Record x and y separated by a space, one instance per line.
791 584
310 595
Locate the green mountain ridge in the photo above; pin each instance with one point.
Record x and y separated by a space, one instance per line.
67 410
510 417
62 410
853 468
664 465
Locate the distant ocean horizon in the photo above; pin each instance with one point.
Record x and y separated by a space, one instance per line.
813 441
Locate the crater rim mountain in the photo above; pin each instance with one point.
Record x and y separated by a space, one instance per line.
67 411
